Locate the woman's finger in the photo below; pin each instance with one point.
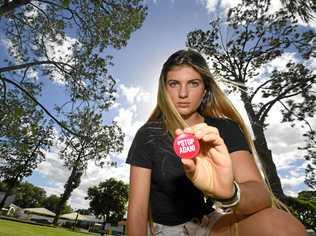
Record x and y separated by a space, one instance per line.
178 132
189 166
214 138
189 130
202 131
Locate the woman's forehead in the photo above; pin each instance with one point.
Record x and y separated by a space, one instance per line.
183 72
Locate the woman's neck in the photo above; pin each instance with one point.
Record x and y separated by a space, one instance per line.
193 119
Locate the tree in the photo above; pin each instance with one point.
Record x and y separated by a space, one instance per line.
109 200
305 9
239 46
3 187
66 41
307 195
69 42
304 208
27 195
51 203
84 211
78 151
24 136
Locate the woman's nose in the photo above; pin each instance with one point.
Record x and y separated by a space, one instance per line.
183 93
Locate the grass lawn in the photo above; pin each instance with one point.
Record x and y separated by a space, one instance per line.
12 228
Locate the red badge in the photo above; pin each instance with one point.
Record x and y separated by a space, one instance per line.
186 146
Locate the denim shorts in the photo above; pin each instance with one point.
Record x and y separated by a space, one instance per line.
190 228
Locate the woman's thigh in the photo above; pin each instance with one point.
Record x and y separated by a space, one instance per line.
267 222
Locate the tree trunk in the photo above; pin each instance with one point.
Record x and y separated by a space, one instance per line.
263 151
6 195
72 183
103 225
11 185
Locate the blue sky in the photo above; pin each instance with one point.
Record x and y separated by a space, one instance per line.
136 68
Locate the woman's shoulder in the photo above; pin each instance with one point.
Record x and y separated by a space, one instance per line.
223 124
230 132
220 122
150 128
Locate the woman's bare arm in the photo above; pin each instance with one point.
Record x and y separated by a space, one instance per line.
137 216
254 195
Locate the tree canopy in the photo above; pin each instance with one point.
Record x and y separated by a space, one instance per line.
109 199
51 203
25 135
304 208
67 42
28 196
305 9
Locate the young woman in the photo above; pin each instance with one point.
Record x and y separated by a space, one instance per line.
219 192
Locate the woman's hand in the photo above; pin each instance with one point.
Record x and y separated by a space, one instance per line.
211 171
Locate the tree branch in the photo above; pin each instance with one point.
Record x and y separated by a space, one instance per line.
258 88
24 74
252 56
4 93
41 10
40 105
228 56
21 66
286 108
267 107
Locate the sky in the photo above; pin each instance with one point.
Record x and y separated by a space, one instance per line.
136 70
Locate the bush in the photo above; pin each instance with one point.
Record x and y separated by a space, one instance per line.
305 210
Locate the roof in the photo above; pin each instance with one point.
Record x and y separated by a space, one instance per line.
77 216
39 211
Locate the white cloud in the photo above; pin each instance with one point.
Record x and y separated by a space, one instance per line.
60 53
213 6
133 114
34 11
135 94
53 168
290 184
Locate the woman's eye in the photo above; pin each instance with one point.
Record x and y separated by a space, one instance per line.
194 84
172 84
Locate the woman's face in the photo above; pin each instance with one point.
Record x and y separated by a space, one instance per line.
185 87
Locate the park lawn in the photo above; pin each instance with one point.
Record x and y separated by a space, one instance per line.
12 228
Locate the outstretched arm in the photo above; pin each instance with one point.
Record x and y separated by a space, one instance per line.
254 195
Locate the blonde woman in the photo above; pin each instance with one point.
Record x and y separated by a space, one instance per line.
221 191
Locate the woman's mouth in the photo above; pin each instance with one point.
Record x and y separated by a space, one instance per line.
183 104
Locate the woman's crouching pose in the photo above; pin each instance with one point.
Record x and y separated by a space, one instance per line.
219 192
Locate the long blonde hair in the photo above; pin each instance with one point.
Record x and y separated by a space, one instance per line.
215 104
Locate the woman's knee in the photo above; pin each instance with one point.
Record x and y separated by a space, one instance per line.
271 221
267 222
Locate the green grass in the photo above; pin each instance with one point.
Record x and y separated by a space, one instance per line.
12 228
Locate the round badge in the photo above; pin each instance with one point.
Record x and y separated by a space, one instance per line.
186 146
